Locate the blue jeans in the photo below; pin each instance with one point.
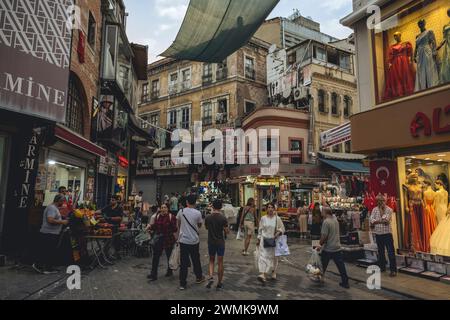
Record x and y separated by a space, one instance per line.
338 258
386 241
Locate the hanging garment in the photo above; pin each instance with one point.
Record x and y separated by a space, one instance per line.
401 74
445 67
440 240
303 223
427 72
429 224
416 228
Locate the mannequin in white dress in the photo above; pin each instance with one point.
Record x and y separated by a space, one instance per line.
440 202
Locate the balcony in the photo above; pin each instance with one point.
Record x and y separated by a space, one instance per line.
221 118
173 88
207 79
222 74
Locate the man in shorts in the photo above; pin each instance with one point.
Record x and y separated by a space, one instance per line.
217 226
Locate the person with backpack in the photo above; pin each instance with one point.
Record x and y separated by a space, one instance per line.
163 227
189 222
248 222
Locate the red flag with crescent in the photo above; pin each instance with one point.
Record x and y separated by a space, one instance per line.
384 177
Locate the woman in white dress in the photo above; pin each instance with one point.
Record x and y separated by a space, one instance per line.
270 228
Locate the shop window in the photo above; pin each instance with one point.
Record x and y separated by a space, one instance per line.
296 146
75 106
91 30
412 53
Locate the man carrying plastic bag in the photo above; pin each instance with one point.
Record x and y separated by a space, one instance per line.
314 267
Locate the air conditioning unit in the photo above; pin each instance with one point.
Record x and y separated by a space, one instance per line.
301 93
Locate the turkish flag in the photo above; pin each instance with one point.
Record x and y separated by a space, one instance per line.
383 177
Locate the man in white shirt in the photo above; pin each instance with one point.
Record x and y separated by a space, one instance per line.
189 222
380 220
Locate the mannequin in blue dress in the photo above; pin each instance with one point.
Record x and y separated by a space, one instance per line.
425 56
445 68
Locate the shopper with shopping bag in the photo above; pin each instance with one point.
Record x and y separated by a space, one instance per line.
174 261
271 227
330 245
282 248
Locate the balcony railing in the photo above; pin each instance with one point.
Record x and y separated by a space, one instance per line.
154 95
207 121
222 74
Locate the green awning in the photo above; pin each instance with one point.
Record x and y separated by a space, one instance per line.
347 166
214 29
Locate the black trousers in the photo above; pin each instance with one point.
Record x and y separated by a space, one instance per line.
338 258
48 250
386 241
189 252
157 253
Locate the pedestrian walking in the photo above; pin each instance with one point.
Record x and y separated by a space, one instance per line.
189 222
52 224
163 228
270 228
248 222
302 212
380 220
316 220
138 206
217 226
330 245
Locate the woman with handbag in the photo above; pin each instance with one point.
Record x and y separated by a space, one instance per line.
270 228
163 229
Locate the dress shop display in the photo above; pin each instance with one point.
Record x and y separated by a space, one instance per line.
416 52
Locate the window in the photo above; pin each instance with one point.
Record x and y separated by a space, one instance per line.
186 78
347 106
337 148
348 147
185 118
222 70
154 119
321 99
207 73
250 68
144 122
155 89
333 56
91 30
249 107
320 53
75 106
222 111
124 78
207 113
268 145
345 61
173 119
297 147
173 83
334 104
145 92
292 58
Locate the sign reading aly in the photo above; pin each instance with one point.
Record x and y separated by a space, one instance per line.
35 40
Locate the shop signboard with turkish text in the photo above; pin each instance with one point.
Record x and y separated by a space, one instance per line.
35 41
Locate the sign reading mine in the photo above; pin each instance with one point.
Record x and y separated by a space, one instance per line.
35 40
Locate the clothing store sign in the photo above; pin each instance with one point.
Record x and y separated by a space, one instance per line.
438 123
35 50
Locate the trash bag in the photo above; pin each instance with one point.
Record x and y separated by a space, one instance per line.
282 248
314 268
174 261
239 235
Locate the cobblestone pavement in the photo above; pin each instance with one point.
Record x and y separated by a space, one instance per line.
127 280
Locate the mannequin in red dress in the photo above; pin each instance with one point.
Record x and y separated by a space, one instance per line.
400 76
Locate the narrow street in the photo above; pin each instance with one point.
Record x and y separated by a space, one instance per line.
127 281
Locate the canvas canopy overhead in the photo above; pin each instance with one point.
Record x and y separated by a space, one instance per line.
214 29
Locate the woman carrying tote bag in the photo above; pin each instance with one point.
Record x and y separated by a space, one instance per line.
270 228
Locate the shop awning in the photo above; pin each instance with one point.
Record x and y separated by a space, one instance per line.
214 29
347 166
78 141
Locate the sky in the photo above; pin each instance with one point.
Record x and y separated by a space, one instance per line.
156 22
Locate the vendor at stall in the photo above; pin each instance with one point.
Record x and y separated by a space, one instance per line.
113 214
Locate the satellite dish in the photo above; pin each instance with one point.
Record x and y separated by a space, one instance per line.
273 48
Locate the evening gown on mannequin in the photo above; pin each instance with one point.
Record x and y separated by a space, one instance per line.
414 231
429 223
427 73
401 74
445 68
440 240
441 204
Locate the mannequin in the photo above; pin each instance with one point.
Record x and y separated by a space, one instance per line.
425 56
401 75
440 240
445 67
414 232
429 221
441 201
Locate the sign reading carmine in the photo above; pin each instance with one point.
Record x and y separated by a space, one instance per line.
35 40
